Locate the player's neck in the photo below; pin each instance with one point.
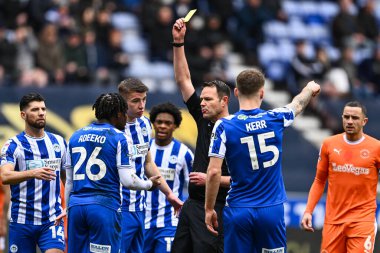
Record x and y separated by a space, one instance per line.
222 114
248 103
163 143
130 119
354 137
104 121
34 132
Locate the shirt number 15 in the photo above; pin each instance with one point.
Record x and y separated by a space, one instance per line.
249 140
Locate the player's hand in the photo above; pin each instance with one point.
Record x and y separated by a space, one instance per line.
59 218
44 173
306 222
179 30
156 182
211 220
198 178
314 87
176 203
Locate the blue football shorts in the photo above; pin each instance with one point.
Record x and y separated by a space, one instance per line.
94 228
132 232
256 230
159 240
23 238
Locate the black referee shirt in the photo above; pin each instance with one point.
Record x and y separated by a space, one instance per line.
201 159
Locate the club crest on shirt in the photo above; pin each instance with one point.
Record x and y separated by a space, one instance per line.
144 131
56 147
13 248
364 153
173 159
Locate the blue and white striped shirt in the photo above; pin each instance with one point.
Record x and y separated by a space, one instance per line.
175 162
139 134
35 201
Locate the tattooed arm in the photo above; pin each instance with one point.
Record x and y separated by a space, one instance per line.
300 101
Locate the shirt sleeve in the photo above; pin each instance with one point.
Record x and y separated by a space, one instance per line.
123 156
67 160
9 152
193 104
319 183
64 153
285 114
218 141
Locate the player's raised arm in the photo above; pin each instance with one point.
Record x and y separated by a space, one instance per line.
300 101
181 68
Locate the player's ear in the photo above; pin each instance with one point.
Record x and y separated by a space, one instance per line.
23 115
225 100
365 121
236 92
261 93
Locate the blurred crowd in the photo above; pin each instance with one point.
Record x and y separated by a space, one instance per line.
66 42
356 70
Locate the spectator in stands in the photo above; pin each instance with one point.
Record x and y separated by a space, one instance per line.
367 22
345 29
369 73
75 58
212 33
250 21
10 10
182 7
96 62
218 63
347 63
49 54
275 9
118 60
303 67
27 45
322 63
8 53
87 21
223 9
160 37
103 26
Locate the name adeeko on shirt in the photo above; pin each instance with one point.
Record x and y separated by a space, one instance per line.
93 138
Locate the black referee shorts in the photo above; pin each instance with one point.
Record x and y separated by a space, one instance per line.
192 234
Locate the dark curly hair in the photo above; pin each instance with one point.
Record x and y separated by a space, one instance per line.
168 108
108 105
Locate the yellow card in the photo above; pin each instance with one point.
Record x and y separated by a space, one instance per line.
189 15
